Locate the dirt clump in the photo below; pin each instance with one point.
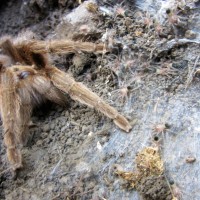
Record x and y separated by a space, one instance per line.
154 187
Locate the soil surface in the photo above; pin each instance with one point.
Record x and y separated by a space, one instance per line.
151 76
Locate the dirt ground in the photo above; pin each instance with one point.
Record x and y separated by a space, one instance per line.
151 76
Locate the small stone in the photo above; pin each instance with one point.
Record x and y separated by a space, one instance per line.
39 143
66 113
189 34
52 132
69 141
104 139
46 128
128 21
91 185
190 159
84 128
52 125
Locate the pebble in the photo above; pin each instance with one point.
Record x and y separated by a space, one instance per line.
39 143
57 128
91 185
104 139
66 114
46 128
52 125
52 132
69 141
189 34
84 128
190 159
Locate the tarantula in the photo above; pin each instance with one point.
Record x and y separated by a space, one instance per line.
27 78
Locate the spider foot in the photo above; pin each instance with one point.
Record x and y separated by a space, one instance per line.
15 158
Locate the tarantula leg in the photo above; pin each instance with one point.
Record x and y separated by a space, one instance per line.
23 53
23 121
13 153
62 47
81 93
8 113
11 50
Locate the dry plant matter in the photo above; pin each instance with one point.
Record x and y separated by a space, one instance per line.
148 163
27 78
149 178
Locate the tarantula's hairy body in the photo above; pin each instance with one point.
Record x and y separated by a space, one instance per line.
27 78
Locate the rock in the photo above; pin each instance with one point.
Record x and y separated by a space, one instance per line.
52 125
189 34
73 22
69 141
80 14
46 128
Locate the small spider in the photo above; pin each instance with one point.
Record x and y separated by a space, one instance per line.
122 94
147 20
158 28
160 128
166 69
144 18
126 87
27 78
174 19
120 11
158 131
176 191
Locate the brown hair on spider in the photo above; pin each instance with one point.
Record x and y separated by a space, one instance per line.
30 79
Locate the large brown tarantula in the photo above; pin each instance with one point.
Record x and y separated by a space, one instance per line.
27 78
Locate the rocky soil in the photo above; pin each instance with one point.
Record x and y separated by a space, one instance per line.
151 76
